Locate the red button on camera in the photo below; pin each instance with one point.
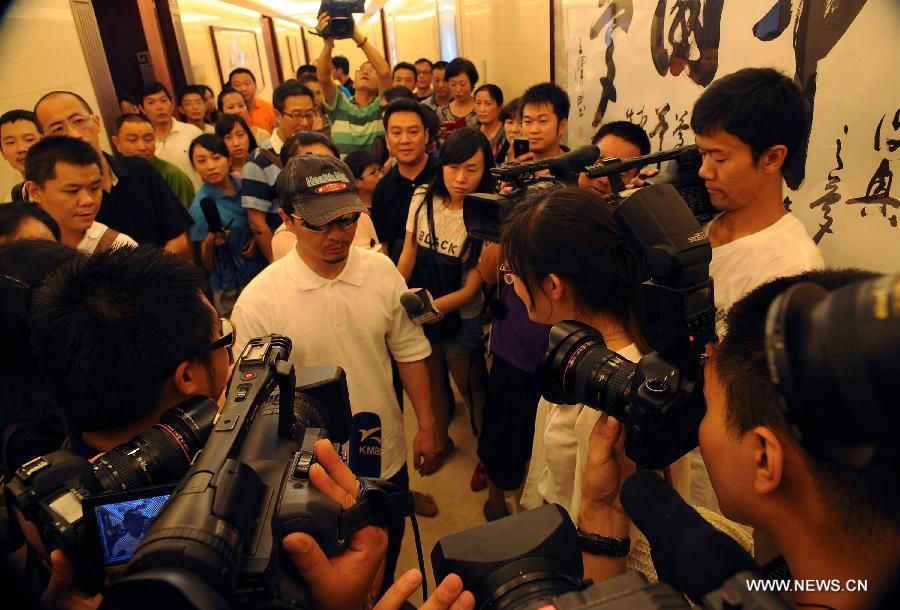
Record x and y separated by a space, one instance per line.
249 375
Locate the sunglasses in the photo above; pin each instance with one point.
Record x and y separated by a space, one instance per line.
226 341
344 222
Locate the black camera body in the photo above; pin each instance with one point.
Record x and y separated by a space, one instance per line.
217 542
341 12
51 489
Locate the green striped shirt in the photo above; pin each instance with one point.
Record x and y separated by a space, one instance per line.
354 127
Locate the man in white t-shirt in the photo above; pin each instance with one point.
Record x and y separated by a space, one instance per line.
173 138
63 177
340 305
748 125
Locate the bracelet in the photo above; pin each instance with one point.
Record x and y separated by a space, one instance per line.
364 41
596 544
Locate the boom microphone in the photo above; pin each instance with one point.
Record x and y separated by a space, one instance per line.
565 167
211 214
688 552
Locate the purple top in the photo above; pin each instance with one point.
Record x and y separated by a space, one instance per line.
517 339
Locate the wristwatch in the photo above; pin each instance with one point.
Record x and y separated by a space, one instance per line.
595 544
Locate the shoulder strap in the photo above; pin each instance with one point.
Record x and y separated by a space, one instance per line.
106 240
271 156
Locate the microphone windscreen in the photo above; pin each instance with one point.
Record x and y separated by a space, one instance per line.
211 214
365 445
576 160
688 552
412 303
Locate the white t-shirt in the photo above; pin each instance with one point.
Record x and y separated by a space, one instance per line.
354 321
174 149
91 239
450 232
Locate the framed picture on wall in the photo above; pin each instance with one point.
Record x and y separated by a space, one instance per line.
237 48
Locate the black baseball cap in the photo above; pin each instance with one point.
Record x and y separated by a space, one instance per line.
319 187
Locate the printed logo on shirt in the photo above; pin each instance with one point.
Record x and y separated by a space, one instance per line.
443 245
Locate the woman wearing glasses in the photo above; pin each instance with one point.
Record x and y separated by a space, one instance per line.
439 255
228 252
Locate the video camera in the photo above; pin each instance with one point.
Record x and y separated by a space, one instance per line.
217 541
341 13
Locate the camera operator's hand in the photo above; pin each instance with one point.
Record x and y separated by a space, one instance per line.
343 581
448 596
61 593
640 180
605 471
322 26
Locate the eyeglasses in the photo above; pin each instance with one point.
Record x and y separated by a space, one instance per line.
79 122
226 341
297 116
344 222
506 271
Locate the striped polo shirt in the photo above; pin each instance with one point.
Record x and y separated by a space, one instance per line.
258 178
354 127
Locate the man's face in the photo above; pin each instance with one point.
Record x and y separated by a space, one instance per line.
460 87
244 84
542 128
405 78
406 137
72 198
439 83
158 107
611 146
299 115
136 139
331 247
316 88
369 179
15 140
193 107
732 178
366 78
220 363
233 103
64 115
423 75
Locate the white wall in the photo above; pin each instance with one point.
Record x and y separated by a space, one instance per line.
413 30
41 52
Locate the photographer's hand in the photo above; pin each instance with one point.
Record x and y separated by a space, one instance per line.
61 593
448 596
322 26
605 471
343 581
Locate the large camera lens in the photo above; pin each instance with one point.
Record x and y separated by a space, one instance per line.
579 368
163 453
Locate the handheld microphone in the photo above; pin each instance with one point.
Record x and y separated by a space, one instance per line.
419 306
365 445
688 552
211 214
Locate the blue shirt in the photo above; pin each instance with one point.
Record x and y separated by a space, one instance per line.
230 269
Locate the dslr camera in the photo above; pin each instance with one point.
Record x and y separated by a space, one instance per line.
217 541
341 13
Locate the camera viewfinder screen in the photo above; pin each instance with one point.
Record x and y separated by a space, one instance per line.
123 525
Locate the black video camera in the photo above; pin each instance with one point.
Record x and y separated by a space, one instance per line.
217 542
341 13
659 399
52 491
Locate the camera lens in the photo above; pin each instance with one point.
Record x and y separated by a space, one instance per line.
163 453
579 368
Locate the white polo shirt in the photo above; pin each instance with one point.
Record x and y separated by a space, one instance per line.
91 239
174 149
354 321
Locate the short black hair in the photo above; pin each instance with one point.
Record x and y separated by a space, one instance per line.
548 93
404 104
129 117
358 161
494 91
306 77
241 71
628 131
404 65
226 123
341 62
306 69
398 92
439 65
110 329
865 499
12 215
187 90
41 160
152 89
227 91
126 97
306 138
48 95
290 88
461 65
11 116
511 110
760 106
424 60
211 142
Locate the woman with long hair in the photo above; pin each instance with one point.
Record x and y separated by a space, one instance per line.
439 255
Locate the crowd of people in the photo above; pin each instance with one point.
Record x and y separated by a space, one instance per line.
311 216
